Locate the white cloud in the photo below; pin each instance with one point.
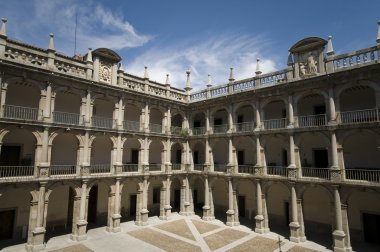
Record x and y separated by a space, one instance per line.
210 56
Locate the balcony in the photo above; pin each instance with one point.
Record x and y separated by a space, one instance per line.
66 118
154 167
176 167
9 172
370 175
155 128
175 130
199 167
130 168
245 127
17 112
250 169
274 124
131 125
359 116
220 168
312 172
198 131
100 169
63 170
277 171
220 129
102 122
312 120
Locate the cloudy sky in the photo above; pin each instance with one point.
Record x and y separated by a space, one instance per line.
207 37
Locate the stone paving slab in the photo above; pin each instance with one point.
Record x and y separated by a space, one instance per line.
178 227
73 248
204 227
224 237
256 244
301 249
163 241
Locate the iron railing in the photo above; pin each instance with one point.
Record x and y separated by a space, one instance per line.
246 169
218 129
371 175
197 131
199 167
175 130
18 112
131 125
176 167
359 116
130 168
100 168
312 172
155 167
312 120
155 128
63 170
274 124
16 171
102 122
277 171
66 118
245 127
220 168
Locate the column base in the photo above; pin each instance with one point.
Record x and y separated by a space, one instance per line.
339 245
295 235
143 219
80 232
32 248
38 240
115 224
184 213
260 225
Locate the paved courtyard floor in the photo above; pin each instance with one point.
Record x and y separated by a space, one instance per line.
180 233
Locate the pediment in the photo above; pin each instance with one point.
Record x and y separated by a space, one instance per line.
308 44
107 54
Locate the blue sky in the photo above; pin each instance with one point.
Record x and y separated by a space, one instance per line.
208 37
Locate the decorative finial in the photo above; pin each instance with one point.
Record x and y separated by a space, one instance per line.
89 55
232 78
209 81
258 71
51 42
330 49
378 32
121 68
188 85
146 76
167 82
3 30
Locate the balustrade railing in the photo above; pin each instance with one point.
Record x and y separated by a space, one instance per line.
198 131
18 112
16 171
63 170
155 128
220 168
131 125
245 127
312 120
312 172
155 167
100 168
199 167
370 175
102 122
176 167
219 90
274 124
66 118
218 129
359 116
175 130
130 168
246 169
349 60
277 171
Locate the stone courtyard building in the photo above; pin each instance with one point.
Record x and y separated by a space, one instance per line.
85 144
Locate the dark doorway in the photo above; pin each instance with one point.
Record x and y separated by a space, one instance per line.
10 155
7 218
134 156
287 212
218 121
196 157
240 119
70 208
320 109
197 124
321 158
284 157
92 204
178 155
240 157
241 205
371 226
156 195
177 199
132 204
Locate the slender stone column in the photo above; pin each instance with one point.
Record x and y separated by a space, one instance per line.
207 208
290 111
260 220
231 221
120 114
165 208
231 162
146 117
207 121
187 208
338 234
346 228
46 110
144 210
230 119
44 165
292 163
334 151
295 235
332 105
168 120
168 208
79 233
3 95
257 116
258 152
39 231
115 217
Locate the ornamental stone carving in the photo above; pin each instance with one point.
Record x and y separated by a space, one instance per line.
105 72
308 64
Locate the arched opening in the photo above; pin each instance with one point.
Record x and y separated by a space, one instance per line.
198 195
314 155
220 121
14 216
199 124
274 115
155 121
156 155
132 116
219 192
67 108
364 107
363 217
245 119
129 200
198 152
361 156
245 153
176 124
175 194
219 154
102 113
101 154
64 154
97 208
176 156
276 155
278 208
131 155
59 219
154 196
311 111
246 203
22 101
318 215
17 156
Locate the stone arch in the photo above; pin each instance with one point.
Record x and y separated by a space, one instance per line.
219 187
101 148
276 150
219 147
304 94
246 188
363 92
